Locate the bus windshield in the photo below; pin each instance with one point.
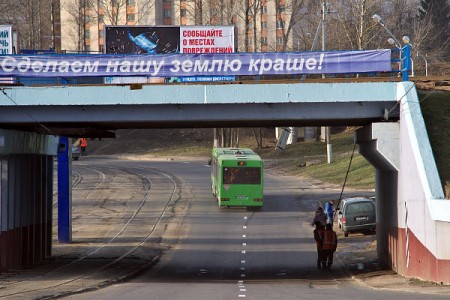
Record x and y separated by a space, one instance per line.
241 175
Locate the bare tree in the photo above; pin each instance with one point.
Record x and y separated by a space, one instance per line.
112 10
30 20
145 7
355 17
77 17
431 39
289 14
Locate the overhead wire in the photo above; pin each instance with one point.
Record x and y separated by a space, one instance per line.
346 175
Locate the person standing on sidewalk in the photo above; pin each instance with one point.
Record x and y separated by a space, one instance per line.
83 145
318 237
329 212
329 246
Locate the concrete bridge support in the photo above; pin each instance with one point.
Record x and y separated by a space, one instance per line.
26 195
379 144
413 219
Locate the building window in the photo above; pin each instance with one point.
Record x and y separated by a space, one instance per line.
264 25
131 2
183 13
87 33
130 17
280 24
280 40
264 9
264 41
87 48
167 13
101 33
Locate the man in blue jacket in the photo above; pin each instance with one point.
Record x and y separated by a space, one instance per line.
329 211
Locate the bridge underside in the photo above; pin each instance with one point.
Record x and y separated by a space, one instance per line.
96 111
101 121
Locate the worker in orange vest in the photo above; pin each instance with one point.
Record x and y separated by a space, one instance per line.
329 246
83 145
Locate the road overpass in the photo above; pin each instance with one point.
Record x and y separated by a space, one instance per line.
413 220
97 111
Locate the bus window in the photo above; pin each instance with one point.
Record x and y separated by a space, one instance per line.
247 175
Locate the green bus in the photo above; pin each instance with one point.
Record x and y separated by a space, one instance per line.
237 177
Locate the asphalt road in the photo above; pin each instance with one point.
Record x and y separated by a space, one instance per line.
215 253
150 229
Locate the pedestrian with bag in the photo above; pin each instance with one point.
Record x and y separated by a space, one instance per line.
318 237
329 246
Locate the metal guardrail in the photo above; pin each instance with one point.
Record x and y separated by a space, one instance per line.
403 60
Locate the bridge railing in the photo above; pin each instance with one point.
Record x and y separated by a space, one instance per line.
401 58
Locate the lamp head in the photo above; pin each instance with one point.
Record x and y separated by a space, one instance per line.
406 39
377 19
391 41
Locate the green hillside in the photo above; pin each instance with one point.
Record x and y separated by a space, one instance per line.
309 158
436 112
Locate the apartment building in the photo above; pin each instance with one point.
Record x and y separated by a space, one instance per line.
259 28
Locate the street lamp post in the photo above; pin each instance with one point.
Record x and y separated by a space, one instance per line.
377 19
405 51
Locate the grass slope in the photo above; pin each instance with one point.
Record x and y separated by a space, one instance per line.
309 159
436 112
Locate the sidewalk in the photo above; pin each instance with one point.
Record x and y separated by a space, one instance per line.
360 261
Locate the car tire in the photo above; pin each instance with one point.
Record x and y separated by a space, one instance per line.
346 233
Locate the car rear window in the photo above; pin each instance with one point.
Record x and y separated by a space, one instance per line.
359 208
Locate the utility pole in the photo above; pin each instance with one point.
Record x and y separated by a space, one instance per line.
324 26
326 130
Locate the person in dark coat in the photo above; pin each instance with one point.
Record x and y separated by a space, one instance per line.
318 237
319 216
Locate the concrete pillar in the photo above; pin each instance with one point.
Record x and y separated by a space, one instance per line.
26 184
64 191
379 144
386 201
310 133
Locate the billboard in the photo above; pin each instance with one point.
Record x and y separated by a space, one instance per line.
206 40
6 47
168 40
6 39
142 39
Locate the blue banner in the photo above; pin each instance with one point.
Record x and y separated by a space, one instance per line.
180 65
